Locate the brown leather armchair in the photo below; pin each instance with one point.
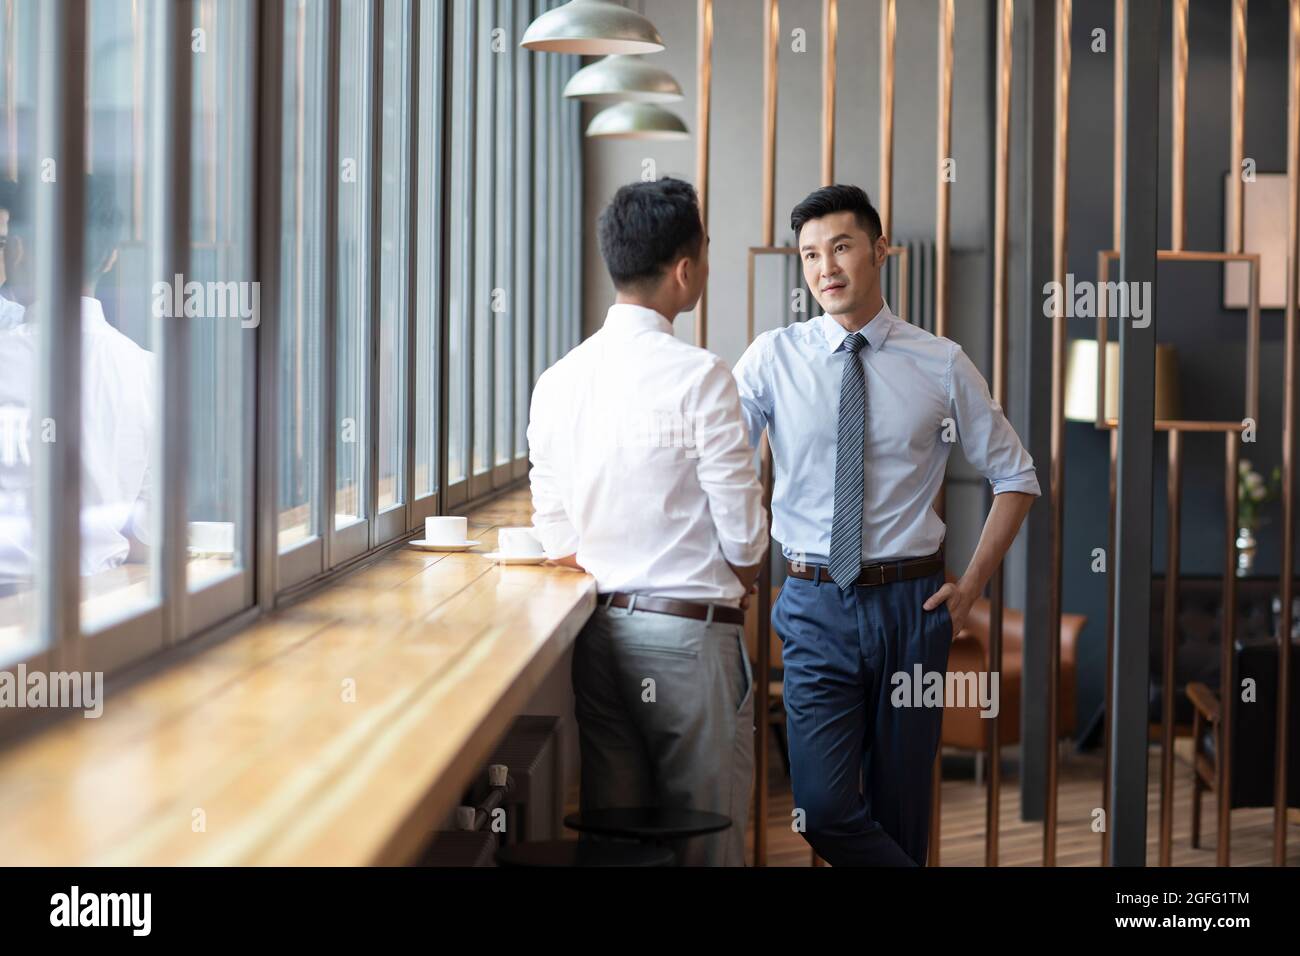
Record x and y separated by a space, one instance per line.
963 727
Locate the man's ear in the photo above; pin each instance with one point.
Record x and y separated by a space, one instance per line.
682 272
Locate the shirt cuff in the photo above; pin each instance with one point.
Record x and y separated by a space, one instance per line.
1026 484
559 539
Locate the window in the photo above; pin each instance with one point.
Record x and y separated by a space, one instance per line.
301 265
394 257
121 357
406 205
22 466
429 251
221 337
351 426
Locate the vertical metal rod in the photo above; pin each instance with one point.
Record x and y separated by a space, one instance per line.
763 665
705 97
1108 724
1059 225
330 304
943 196
771 44
1178 180
1131 565
888 33
1001 204
1237 138
1223 751
1117 235
60 127
1174 497
1288 437
830 33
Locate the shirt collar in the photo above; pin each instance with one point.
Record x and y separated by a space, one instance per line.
875 331
625 317
92 313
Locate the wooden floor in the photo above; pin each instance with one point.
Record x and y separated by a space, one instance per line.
1021 843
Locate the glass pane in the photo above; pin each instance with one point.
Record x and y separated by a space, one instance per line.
461 296
19 343
485 187
351 340
219 475
302 277
503 328
542 111
429 251
394 259
119 372
554 211
521 304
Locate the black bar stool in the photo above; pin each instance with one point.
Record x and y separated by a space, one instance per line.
650 826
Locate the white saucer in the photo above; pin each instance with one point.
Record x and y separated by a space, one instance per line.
500 558
423 545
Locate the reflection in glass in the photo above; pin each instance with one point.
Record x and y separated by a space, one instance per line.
221 262
393 251
302 279
353 279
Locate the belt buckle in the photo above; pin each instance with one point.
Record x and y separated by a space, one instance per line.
867 573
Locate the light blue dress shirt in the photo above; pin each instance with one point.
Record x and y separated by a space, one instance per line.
923 393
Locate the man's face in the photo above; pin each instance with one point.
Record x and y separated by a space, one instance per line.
699 277
841 263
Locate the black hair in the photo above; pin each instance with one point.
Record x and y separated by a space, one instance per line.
104 225
833 199
647 227
103 219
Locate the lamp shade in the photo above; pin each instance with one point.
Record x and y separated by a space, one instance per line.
623 79
592 28
637 121
1081 382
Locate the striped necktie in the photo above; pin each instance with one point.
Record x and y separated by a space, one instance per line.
846 522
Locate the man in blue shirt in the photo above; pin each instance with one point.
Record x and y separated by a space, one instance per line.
861 410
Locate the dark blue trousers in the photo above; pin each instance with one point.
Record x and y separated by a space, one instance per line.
861 761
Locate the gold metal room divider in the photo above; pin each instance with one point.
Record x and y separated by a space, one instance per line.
1176 429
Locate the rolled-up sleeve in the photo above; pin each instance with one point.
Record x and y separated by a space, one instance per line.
987 438
755 396
550 519
726 467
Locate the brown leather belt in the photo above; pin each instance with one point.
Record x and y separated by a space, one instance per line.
659 605
874 574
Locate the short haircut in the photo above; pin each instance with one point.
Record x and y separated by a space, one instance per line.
646 228
11 201
104 225
104 222
832 199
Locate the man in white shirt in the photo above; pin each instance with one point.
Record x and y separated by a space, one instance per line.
117 401
642 476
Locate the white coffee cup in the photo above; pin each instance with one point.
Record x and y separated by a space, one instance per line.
446 530
519 543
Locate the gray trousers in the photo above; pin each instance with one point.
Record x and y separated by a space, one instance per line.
665 709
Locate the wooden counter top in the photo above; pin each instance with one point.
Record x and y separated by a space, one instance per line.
341 730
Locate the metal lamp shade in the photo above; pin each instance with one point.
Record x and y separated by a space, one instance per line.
623 79
637 121
592 28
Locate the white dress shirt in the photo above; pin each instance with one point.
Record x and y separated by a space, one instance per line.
117 434
640 464
923 392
